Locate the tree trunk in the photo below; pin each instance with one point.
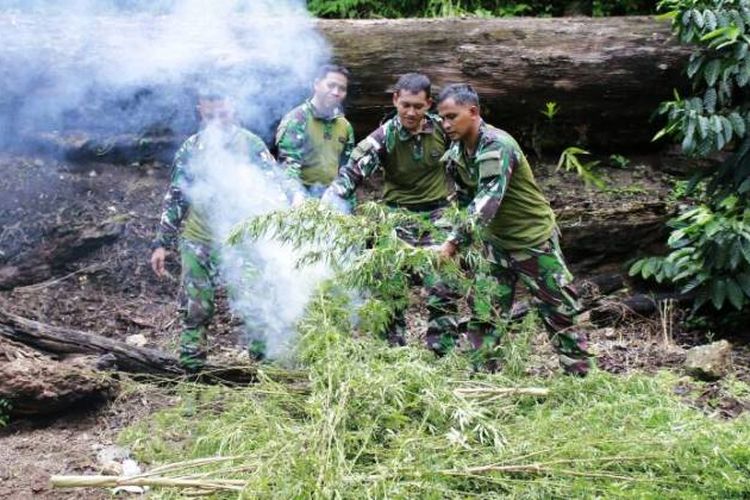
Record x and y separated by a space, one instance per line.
112 354
35 384
594 235
607 75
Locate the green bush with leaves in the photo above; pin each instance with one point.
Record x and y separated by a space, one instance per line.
485 8
710 241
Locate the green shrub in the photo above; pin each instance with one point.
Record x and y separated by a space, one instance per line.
710 241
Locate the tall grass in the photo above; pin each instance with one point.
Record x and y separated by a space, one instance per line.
380 422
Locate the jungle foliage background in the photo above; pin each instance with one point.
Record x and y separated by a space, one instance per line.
364 9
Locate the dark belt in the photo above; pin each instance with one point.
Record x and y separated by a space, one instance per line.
420 207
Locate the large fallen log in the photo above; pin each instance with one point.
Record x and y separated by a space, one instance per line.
112 354
592 235
35 384
607 75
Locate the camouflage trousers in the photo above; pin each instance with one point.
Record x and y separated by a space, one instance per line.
544 273
416 235
200 277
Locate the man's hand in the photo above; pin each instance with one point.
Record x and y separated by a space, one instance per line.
157 261
447 250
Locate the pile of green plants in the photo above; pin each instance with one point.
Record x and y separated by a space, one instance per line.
371 421
366 420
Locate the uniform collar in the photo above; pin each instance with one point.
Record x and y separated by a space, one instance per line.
457 151
320 116
427 129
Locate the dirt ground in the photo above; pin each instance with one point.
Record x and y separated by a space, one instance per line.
112 292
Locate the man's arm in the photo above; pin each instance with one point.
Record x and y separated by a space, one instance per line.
348 147
175 204
290 143
365 159
175 208
495 170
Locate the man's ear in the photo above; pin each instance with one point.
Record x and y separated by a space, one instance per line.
474 111
395 97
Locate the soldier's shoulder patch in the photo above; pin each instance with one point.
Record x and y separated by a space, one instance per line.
343 139
490 163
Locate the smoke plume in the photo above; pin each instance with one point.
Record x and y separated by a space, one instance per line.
135 67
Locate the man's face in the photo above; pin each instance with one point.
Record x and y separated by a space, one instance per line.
411 108
458 119
331 90
217 112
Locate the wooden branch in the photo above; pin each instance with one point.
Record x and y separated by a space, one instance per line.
113 353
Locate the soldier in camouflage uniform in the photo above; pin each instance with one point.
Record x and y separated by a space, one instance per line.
197 244
408 148
314 139
508 211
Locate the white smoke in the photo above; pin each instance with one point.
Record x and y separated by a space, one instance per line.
264 285
125 66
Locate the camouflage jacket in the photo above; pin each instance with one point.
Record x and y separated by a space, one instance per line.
413 172
177 206
312 147
497 186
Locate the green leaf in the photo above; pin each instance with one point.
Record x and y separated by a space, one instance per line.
686 16
703 126
711 72
743 73
737 123
700 299
744 281
709 20
635 269
727 128
718 293
693 284
649 267
709 100
735 254
696 60
745 246
697 18
736 297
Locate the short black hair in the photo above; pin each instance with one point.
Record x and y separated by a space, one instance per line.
331 68
414 83
462 93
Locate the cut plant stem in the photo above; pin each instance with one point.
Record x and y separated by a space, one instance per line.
494 391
